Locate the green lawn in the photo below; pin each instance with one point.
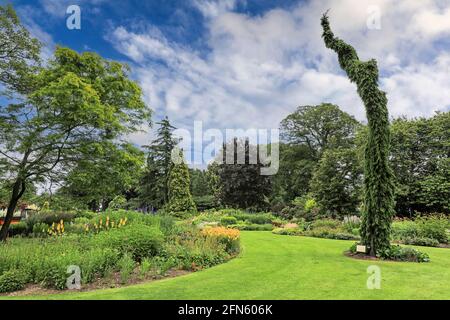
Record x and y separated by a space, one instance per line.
287 267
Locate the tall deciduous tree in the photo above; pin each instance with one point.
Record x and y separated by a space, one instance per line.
79 100
336 183
319 127
378 182
19 53
420 154
116 171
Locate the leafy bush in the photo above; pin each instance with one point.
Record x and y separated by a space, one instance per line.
138 240
330 233
326 223
205 202
227 220
40 229
431 227
17 229
351 223
252 227
421 241
253 218
287 231
13 280
49 217
399 253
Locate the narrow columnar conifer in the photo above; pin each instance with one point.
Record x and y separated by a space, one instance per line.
378 178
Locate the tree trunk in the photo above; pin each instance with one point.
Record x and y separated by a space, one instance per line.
17 192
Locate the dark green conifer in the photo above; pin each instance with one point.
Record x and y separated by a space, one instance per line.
378 182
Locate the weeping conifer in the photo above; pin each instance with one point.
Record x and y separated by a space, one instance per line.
378 182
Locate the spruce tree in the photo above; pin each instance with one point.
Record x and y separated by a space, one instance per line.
378 179
153 189
180 198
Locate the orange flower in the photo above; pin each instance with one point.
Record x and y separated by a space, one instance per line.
232 234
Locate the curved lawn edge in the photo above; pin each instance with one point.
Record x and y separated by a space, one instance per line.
275 267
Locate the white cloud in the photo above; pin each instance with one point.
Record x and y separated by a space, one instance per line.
260 68
213 8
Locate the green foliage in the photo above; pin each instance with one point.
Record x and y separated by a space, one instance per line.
116 172
79 104
153 189
139 241
145 267
40 229
337 182
199 183
330 233
252 226
288 231
399 253
12 280
419 152
418 231
17 229
304 207
205 202
19 53
240 183
180 198
118 202
48 218
378 177
319 127
126 267
421 241
227 220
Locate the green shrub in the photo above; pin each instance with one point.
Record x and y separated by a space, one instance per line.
18 229
421 241
145 267
326 223
126 267
205 202
431 227
138 240
13 280
252 218
252 227
330 233
228 220
287 231
399 253
40 229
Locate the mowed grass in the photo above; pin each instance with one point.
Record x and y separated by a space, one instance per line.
286 267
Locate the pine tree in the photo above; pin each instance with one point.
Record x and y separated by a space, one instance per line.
180 198
153 189
378 178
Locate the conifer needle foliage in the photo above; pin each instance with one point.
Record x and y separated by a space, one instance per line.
378 181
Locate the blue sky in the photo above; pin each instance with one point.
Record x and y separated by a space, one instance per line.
247 64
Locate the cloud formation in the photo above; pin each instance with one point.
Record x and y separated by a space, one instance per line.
259 68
